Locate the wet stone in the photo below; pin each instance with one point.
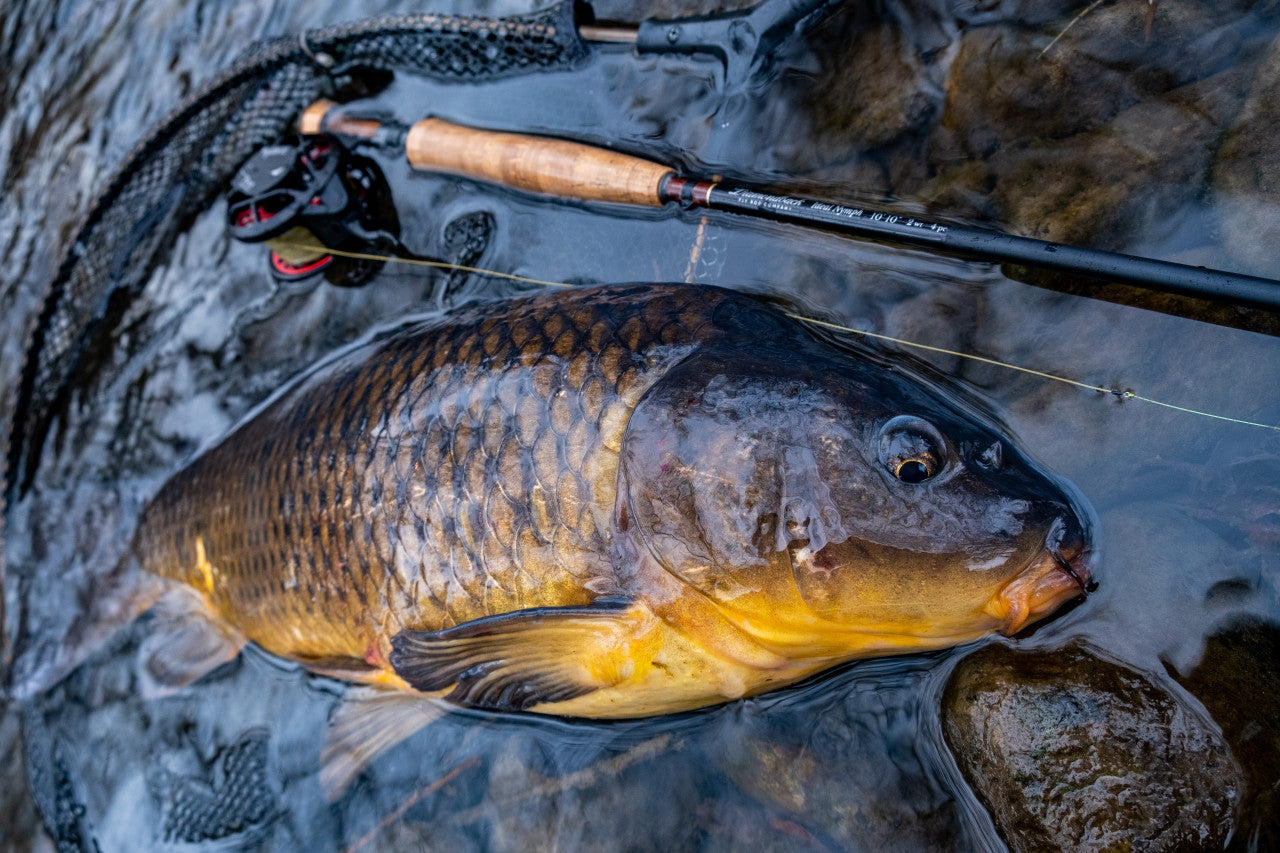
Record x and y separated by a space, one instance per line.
1099 137
1246 174
1158 46
1001 92
844 763
1099 188
1013 85
1238 679
1069 751
873 90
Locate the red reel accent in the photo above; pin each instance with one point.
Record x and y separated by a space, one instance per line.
246 215
288 270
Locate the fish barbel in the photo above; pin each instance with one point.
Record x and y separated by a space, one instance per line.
609 502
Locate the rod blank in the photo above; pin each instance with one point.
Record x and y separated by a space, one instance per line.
993 245
574 170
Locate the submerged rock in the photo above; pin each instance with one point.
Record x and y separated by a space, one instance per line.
871 92
1097 126
1069 751
1246 174
1095 137
1001 92
1238 679
848 763
1014 83
1097 188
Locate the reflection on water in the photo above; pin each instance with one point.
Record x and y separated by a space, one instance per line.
1124 133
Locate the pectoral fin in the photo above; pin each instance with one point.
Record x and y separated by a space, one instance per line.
517 660
187 641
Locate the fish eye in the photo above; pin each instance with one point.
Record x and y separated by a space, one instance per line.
911 449
913 471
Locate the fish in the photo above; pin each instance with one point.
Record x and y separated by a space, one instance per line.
606 502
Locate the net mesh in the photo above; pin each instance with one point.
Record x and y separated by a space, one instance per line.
187 160
235 799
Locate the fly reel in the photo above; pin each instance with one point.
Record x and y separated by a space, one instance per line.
310 201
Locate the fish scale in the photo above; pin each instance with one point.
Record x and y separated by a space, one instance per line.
442 473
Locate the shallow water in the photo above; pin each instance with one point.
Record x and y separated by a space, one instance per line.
883 102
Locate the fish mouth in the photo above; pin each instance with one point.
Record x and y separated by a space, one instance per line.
1058 574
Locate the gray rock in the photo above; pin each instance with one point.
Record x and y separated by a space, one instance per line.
1070 751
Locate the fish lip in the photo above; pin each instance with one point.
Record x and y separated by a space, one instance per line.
1067 545
1080 575
1059 573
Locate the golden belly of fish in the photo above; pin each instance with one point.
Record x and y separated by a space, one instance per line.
611 502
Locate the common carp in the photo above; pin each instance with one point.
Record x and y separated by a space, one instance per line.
608 502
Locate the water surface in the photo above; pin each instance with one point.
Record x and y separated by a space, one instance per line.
1115 137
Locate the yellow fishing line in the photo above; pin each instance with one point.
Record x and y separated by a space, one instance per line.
953 352
1126 395
1129 395
444 265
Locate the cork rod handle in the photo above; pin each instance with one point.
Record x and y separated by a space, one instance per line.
534 163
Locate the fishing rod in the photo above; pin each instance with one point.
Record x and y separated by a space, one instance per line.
565 169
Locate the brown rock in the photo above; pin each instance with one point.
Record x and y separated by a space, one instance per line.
963 192
1001 92
1102 187
1013 85
1238 679
871 90
1159 46
1070 751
